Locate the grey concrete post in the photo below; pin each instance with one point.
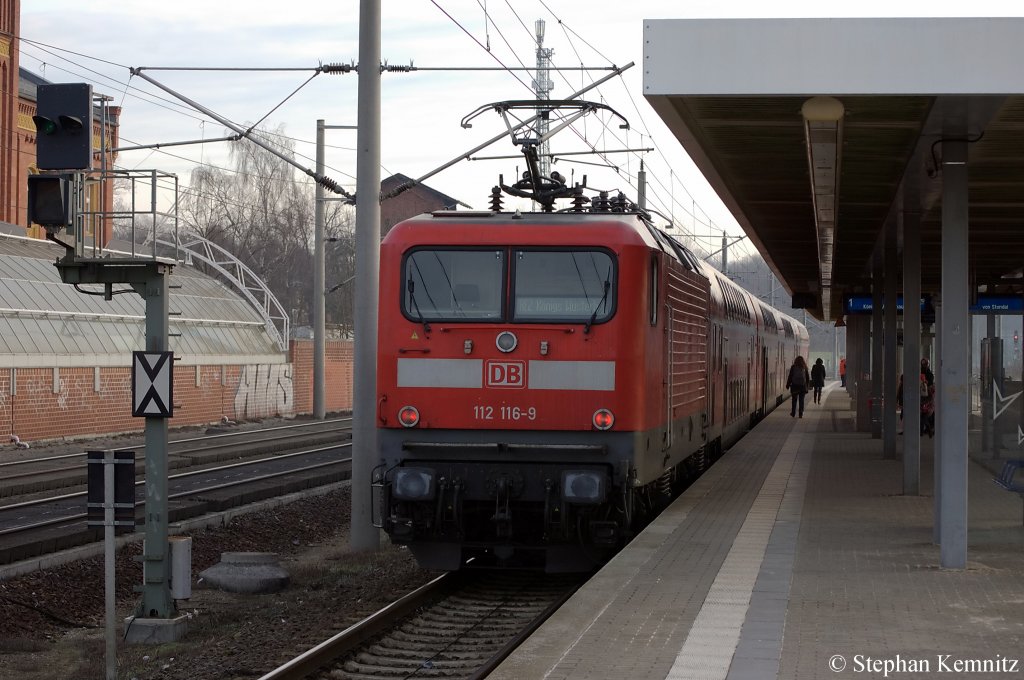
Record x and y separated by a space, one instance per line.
319 302
937 461
876 345
857 367
952 383
888 377
911 352
987 423
364 536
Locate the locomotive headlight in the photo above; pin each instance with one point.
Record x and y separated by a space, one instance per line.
603 419
506 341
584 487
409 416
413 484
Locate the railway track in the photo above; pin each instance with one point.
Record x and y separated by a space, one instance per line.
460 625
34 527
34 474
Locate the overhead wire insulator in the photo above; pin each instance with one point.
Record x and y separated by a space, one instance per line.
336 68
397 68
578 199
618 204
331 185
496 199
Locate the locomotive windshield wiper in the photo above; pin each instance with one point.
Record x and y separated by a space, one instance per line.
593 317
415 306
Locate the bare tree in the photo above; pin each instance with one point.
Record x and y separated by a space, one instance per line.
261 210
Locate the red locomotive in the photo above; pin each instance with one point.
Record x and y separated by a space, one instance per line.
548 380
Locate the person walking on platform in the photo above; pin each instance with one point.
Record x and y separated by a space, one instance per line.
797 383
818 379
927 402
926 371
899 402
842 371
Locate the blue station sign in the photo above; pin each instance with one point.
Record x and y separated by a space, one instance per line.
986 304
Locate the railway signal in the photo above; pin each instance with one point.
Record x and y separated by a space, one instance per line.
49 201
64 126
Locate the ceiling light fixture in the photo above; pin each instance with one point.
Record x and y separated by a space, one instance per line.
823 132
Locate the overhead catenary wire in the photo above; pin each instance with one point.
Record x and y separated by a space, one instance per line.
172 105
661 187
323 180
583 136
567 29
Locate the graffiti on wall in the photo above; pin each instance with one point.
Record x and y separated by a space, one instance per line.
265 391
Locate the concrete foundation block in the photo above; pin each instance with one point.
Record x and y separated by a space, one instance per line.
246 572
143 631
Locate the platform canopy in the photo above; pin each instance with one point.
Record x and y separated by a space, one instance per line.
811 130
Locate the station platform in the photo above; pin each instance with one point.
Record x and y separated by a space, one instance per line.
797 556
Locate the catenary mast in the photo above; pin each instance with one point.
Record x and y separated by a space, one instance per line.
542 86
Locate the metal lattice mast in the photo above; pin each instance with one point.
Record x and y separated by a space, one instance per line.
542 86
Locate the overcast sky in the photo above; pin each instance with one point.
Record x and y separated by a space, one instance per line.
97 41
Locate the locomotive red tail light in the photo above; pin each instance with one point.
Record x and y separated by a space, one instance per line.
409 416
603 419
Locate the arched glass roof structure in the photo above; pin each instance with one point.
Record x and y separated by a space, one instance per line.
45 322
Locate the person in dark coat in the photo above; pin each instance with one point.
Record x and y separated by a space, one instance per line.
818 379
926 371
797 383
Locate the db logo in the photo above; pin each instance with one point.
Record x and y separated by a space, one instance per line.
506 373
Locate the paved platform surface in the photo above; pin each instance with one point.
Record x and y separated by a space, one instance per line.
797 556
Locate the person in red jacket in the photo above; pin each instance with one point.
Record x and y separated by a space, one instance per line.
842 371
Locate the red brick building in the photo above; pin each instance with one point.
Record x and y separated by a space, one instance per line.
18 133
411 202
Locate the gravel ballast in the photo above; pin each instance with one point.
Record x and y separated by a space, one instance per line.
51 621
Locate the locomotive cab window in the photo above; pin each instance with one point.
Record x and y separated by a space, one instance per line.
453 285
574 286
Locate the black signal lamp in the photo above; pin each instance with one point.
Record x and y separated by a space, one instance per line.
44 125
70 123
49 201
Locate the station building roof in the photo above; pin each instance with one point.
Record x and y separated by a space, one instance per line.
45 322
814 187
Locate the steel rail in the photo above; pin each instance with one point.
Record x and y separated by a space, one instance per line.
63 456
187 452
68 496
183 494
327 651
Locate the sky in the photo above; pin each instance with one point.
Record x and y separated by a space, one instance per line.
98 41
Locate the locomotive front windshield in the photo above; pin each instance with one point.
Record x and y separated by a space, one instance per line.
547 285
563 285
454 285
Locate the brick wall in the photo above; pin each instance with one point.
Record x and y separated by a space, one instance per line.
36 410
337 375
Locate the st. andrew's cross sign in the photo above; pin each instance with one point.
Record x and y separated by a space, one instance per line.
153 384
